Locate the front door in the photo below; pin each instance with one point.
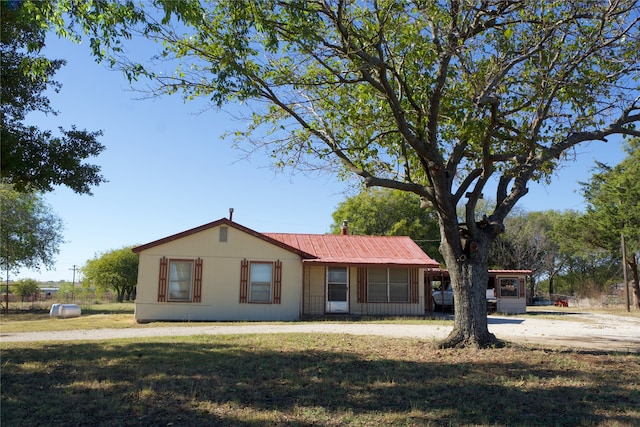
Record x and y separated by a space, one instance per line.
337 290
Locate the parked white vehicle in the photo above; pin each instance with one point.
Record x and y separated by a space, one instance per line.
443 299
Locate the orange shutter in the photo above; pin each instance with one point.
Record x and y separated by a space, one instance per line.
197 282
277 282
414 290
362 285
244 280
162 281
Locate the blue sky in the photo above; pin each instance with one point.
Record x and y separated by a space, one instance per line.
169 170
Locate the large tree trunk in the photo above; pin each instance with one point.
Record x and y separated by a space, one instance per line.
469 281
467 262
633 264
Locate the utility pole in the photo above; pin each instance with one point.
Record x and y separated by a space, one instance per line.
73 284
6 310
6 295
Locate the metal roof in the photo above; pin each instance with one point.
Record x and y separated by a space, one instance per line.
363 250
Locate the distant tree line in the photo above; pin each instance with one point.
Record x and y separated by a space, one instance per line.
569 252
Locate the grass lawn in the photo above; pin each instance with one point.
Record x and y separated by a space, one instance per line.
301 380
311 380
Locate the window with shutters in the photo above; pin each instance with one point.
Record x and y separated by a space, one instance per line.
509 287
260 282
180 280
388 284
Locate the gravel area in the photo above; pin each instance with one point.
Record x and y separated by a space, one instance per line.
587 331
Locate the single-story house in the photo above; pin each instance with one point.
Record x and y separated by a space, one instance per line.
225 271
507 287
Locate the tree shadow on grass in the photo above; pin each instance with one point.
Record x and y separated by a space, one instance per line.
240 381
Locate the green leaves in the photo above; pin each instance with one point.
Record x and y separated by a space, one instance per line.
35 159
385 212
116 269
390 86
613 201
30 234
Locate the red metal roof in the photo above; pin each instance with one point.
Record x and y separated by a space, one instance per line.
350 249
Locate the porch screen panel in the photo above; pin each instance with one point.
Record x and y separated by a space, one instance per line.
197 282
277 283
377 282
162 280
398 285
244 280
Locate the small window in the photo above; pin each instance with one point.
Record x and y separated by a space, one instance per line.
224 231
509 287
337 284
261 281
180 280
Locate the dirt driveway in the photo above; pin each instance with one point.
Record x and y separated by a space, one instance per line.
578 330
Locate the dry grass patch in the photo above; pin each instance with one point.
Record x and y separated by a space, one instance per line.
312 379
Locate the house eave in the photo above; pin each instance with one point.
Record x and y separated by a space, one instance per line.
222 222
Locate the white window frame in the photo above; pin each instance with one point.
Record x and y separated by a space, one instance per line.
254 284
180 289
330 283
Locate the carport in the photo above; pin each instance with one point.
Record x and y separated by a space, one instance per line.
506 290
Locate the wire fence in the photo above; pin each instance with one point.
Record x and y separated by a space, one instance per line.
44 300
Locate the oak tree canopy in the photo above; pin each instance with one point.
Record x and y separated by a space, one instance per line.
35 159
449 100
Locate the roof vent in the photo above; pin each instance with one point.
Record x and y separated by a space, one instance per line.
345 227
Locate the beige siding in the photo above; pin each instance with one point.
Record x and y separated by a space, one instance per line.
511 305
220 279
314 290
